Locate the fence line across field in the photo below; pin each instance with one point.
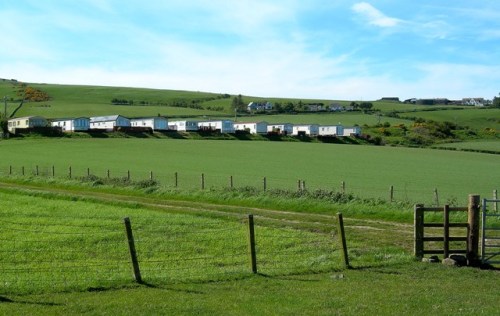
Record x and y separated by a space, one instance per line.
204 181
35 256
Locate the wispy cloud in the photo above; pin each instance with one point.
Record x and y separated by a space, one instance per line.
374 16
286 48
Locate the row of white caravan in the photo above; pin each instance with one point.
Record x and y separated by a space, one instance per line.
228 126
160 123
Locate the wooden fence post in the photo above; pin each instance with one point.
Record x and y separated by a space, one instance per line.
176 178
473 230
418 223
53 171
69 172
264 183
22 170
231 182
88 172
391 193
495 197
10 170
37 173
299 185
151 176
128 175
436 197
342 187
446 237
203 181
343 242
251 244
303 185
133 253
108 173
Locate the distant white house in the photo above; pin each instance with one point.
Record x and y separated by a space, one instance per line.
78 124
474 101
252 128
331 130
156 123
307 129
259 106
281 128
336 107
26 122
222 126
351 131
109 123
183 126
315 107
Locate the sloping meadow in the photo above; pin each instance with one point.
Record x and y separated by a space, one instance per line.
51 244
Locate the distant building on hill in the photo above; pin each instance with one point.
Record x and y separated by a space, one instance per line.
221 126
306 130
474 101
183 125
259 106
390 99
280 128
252 128
352 131
156 123
436 101
78 124
109 123
27 122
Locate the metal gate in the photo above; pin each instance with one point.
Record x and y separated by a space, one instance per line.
490 232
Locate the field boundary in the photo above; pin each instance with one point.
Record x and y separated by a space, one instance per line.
41 250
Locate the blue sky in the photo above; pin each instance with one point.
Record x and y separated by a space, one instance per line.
333 49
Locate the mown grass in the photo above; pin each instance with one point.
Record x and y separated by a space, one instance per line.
51 244
486 145
476 118
415 289
368 172
383 271
74 100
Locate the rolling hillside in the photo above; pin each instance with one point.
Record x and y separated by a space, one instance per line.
72 101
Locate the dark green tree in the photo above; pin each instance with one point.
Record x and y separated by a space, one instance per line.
238 104
496 101
366 106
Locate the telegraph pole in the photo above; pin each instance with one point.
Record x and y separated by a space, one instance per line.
5 107
2 131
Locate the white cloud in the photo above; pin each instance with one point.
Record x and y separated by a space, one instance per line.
436 29
294 75
266 56
374 16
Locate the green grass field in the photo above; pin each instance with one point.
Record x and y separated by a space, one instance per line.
366 170
54 244
82 268
64 249
476 118
476 145
71 101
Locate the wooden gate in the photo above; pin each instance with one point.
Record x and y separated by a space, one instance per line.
471 238
490 233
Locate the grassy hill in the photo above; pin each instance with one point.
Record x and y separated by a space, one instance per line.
63 253
390 122
74 100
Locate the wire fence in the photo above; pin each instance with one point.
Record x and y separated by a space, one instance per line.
191 180
59 253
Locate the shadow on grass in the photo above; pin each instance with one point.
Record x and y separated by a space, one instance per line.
4 299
